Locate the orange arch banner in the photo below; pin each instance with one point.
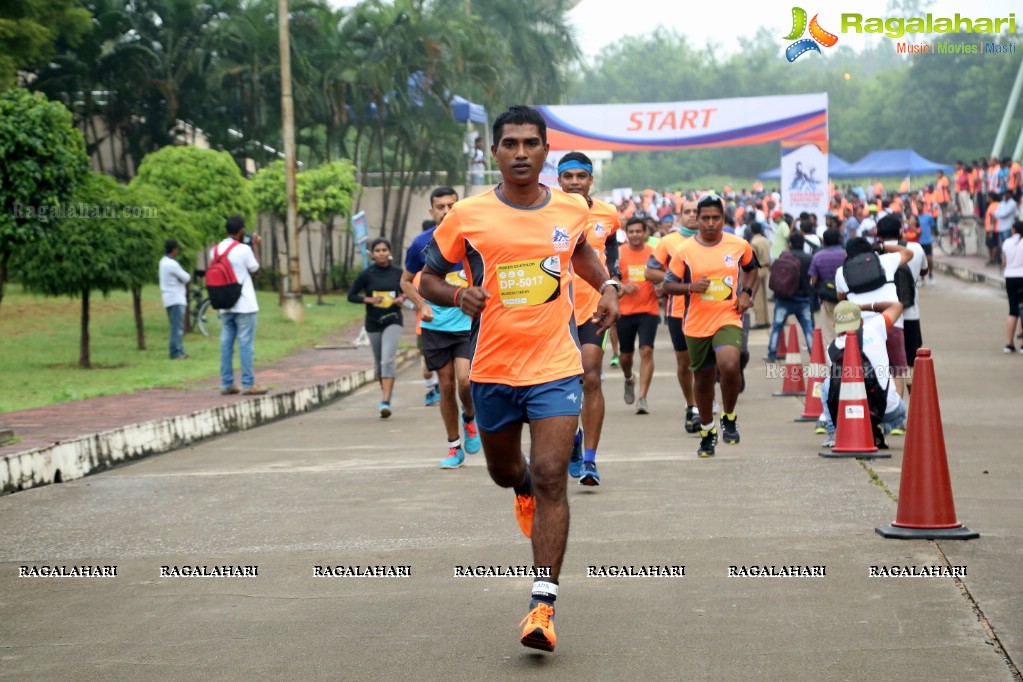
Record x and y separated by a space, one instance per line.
697 124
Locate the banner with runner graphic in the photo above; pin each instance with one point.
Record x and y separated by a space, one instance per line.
804 182
688 125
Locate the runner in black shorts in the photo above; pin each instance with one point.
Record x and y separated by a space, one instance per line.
575 175
656 268
639 313
445 334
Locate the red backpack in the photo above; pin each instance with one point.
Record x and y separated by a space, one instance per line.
786 273
221 284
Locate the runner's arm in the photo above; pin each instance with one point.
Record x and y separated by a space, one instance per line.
654 271
611 256
411 294
587 265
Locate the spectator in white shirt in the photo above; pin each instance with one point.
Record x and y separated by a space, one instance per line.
173 290
1012 262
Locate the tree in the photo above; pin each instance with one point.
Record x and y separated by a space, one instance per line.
205 184
325 193
81 252
30 28
147 221
42 158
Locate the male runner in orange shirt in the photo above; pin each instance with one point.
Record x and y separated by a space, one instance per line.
656 268
520 243
640 313
575 175
706 269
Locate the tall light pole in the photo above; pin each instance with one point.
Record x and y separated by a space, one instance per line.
292 300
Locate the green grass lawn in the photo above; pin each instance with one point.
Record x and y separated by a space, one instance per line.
39 341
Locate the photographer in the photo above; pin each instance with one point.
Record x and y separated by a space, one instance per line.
239 321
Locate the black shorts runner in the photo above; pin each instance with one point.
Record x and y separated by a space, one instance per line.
644 324
440 348
678 339
588 334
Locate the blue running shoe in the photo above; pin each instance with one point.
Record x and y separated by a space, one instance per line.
454 459
590 475
432 397
385 410
472 437
575 462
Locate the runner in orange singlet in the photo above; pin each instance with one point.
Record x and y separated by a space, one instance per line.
520 243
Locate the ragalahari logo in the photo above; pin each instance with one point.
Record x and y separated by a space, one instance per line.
804 45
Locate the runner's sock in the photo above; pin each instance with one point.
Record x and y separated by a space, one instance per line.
545 590
526 488
466 419
578 437
729 416
589 455
456 443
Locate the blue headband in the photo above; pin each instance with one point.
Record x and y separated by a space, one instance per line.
569 165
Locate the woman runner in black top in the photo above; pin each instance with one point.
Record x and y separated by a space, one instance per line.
379 287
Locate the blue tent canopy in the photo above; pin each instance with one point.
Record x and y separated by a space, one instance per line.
466 111
834 164
891 163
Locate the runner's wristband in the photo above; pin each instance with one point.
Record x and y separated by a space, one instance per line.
611 283
747 290
458 290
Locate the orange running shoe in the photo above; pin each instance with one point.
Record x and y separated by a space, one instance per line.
538 632
525 505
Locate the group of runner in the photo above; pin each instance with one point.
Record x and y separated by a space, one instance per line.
526 282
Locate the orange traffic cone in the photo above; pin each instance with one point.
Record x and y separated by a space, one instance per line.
926 509
792 374
854 436
817 371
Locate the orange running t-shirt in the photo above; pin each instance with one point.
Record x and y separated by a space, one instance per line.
942 189
632 263
708 312
601 226
526 333
675 305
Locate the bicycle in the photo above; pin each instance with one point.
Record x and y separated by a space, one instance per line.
204 316
952 242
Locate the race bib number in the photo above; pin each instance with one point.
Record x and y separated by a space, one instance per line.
387 299
720 289
456 279
531 282
635 273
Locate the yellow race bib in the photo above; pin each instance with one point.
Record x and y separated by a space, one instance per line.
456 279
636 273
531 282
388 299
720 289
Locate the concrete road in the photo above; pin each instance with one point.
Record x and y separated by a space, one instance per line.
341 487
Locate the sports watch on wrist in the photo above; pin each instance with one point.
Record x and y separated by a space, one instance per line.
611 283
747 290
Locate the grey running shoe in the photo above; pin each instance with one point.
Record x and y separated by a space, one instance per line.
641 407
630 391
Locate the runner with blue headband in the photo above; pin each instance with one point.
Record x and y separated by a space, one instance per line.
575 175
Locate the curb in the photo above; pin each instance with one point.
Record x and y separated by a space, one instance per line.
968 275
71 459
